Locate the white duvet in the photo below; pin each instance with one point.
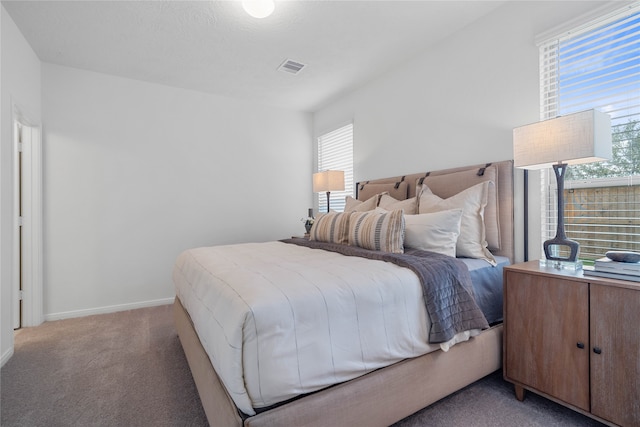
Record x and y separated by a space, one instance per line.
278 320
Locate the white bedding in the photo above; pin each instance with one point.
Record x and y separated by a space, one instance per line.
279 320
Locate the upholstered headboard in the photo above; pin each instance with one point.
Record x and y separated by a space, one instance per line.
447 182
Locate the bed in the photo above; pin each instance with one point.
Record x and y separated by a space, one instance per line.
384 392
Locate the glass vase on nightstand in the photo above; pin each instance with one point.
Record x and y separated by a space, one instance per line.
561 265
308 223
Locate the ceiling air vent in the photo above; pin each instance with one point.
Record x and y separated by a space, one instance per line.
290 66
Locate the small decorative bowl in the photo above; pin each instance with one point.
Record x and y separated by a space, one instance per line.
623 256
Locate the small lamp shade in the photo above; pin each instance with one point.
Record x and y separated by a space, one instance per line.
583 137
328 181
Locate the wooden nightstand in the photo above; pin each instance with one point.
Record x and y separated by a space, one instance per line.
574 340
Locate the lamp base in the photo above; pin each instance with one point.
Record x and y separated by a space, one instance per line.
571 246
570 262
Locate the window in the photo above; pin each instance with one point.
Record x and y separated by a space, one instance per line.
335 152
597 66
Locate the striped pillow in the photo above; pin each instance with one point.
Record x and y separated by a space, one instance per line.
378 231
331 227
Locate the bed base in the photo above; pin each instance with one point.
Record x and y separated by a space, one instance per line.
379 398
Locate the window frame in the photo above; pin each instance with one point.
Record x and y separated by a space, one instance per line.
549 107
344 162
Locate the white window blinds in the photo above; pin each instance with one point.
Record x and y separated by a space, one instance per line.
598 66
335 152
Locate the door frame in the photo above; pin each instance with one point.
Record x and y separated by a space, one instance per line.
29 258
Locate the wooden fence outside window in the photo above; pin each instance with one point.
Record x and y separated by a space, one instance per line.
603 219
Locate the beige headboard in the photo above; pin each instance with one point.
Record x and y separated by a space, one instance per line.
447 182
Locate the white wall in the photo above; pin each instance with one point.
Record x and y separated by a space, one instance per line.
457 102
19 87
134 173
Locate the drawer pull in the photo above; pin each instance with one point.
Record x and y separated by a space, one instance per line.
597 350
580 345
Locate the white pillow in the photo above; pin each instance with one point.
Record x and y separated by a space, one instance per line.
435 232
472 242
409 206
354 205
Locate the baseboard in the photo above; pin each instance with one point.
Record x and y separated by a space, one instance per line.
107 309
6 356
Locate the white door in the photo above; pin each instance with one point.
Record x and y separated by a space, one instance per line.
28 232
17 289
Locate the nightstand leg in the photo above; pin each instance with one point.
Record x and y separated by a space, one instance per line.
519 392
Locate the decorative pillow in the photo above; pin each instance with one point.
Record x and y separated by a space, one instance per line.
332 227
397 190
409 206
472 242
353 205
451 184
378 231
435 232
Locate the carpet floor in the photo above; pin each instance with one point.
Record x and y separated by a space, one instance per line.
128 369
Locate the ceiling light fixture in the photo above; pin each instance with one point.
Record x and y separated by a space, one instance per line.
259 8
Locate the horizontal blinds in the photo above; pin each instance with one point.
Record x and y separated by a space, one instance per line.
549 80
597 66
335 152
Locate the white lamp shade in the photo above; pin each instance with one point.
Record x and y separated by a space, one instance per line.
577 138
328 181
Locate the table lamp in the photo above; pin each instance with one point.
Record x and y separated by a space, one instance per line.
577 138
328 181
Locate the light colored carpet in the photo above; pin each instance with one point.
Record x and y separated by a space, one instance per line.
128 369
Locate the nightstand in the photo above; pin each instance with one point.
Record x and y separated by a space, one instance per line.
574 340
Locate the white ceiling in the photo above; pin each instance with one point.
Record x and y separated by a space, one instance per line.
215 47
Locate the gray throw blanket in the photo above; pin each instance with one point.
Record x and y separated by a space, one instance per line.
446 286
